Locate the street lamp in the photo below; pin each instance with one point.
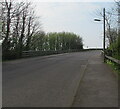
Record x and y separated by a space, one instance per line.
103 32
97 20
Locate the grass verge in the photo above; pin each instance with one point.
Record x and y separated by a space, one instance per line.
114 66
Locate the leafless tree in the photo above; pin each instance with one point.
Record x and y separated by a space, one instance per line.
18 23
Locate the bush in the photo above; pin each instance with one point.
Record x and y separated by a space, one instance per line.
10 55
114 50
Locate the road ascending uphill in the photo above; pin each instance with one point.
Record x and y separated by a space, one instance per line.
50 81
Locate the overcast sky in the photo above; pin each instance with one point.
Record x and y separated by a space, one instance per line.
77 17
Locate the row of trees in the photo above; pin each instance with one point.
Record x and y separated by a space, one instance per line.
21 31
56 41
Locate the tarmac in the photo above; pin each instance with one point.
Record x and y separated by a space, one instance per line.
99 85
68 80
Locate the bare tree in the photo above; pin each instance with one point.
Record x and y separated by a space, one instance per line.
18 23
111 25
8 6
33 27
24 14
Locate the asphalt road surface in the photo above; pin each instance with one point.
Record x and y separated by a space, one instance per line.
49 81
98 87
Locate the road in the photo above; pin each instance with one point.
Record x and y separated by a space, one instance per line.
43 81
49 81
98 87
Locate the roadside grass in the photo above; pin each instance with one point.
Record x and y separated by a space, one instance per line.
114 66
116 57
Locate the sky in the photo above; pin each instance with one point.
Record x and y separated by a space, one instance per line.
74 16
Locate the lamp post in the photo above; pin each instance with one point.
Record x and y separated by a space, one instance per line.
103 32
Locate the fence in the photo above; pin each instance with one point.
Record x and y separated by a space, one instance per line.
50 52
112 59
43 53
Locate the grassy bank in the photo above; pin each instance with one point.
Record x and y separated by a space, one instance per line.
114 66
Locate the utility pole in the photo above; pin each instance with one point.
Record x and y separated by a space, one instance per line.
104 33
118 26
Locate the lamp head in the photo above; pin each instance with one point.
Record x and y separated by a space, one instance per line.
97 20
